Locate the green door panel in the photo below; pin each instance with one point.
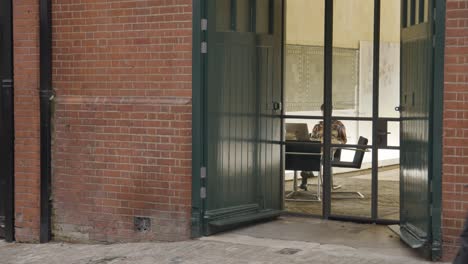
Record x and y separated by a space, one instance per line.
416 89
243 131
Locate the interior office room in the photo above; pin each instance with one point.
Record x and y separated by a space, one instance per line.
353 96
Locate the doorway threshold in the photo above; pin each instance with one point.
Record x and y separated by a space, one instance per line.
301 233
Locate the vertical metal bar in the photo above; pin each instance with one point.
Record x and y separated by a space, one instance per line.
6 121
253 15
234 15
271 18
375 110
404 13
197 119
421 11
437 124
328 78
412 13
282 41
45 117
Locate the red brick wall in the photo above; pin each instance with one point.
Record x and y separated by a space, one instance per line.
122 121
26 103
455 161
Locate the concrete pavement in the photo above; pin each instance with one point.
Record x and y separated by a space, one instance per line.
288 240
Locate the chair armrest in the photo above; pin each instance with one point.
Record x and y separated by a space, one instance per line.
356 149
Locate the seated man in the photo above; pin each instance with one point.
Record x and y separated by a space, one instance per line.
338 132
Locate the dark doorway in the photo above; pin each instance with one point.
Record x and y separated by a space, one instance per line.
6 122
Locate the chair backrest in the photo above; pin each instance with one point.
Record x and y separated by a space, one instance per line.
296 161
359 154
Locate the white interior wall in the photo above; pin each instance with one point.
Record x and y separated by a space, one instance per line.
304 26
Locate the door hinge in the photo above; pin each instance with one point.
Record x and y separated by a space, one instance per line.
204 47
204 24
203 172
203 192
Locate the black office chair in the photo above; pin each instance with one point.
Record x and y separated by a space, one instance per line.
303 156
358 156
355 164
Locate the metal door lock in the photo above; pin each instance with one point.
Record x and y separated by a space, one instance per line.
399 108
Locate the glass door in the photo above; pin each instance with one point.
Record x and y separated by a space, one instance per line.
343 89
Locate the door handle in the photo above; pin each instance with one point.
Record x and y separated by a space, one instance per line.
277 106
383 133
399 108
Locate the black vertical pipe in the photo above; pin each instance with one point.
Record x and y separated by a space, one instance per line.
327 98
46 94
375 111
6 122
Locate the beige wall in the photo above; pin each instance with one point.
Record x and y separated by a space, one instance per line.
353 22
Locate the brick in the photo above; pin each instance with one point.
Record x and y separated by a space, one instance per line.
122 72
455 168
26 103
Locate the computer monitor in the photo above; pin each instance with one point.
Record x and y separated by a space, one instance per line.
297 131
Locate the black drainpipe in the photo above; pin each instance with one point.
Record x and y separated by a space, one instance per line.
7 132
46 96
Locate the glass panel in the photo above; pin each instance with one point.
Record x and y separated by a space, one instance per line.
389 78
389 184
243 16
302 200
352 192
354 130
304 59
353 29
262 16
223 15
351 170
393 138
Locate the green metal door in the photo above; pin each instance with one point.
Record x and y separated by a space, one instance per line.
416 90
243 112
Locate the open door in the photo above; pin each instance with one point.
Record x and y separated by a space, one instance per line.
416 89
243 112
6 122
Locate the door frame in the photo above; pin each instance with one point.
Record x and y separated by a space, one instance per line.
7 116
199 75
436 130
